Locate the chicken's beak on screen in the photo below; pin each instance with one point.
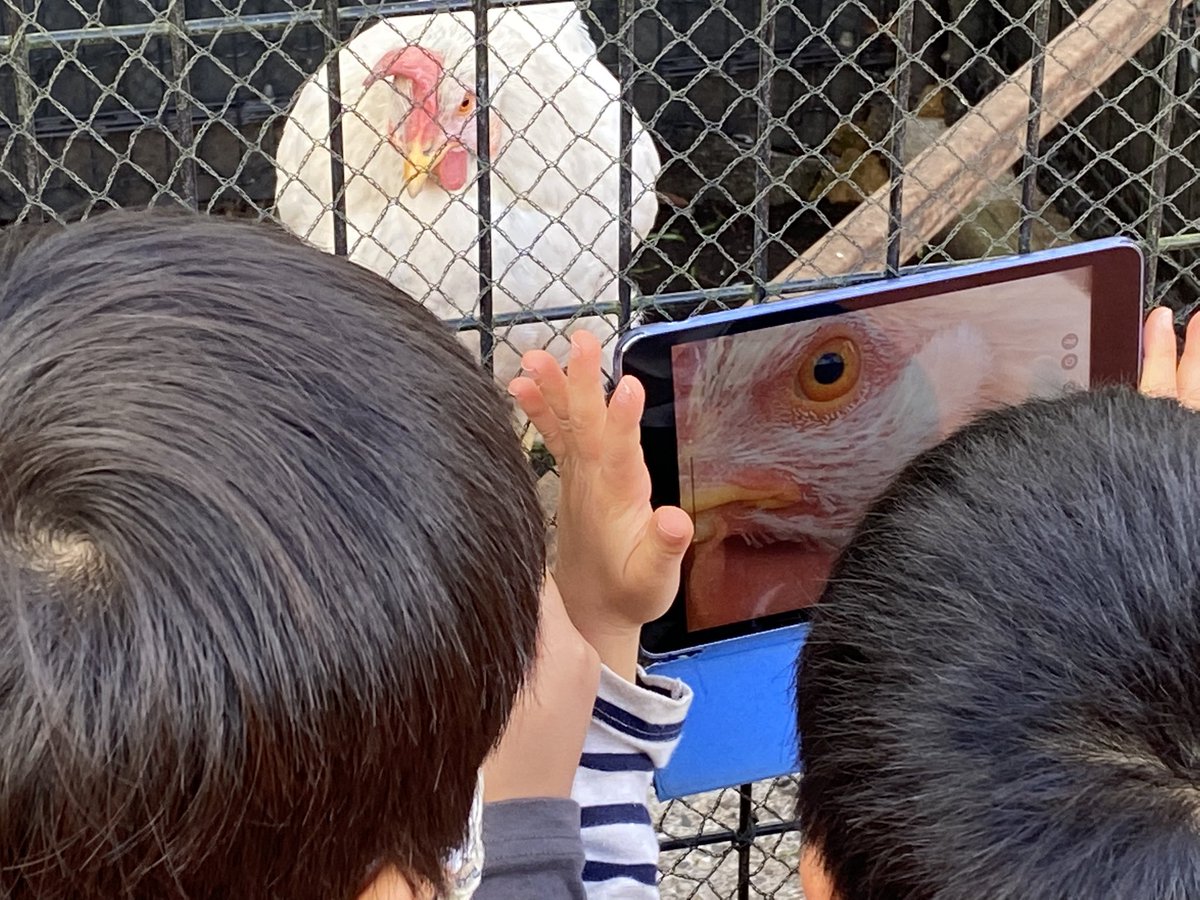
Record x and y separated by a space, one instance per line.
715 497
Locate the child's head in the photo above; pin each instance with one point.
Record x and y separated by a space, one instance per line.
270 558
1000 697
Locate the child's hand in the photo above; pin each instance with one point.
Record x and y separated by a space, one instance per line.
1162 376
539 752
618 560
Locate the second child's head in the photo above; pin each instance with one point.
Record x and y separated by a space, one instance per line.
1000 695
270 558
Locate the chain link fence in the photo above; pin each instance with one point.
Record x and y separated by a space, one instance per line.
796 145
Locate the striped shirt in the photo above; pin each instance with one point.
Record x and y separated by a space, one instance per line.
634 731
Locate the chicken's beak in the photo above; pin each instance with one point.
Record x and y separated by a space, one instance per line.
418 164
706 499
722 495
416 171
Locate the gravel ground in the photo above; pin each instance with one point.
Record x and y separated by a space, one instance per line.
711 872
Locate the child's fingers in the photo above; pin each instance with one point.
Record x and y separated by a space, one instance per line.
1188 377
623 460
1158 354
543 368
585 389
533 403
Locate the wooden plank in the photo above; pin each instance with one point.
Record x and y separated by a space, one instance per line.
980 147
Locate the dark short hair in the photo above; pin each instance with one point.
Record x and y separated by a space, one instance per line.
270 556
1000 696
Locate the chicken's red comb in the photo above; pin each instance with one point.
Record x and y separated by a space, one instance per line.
423 69
415 64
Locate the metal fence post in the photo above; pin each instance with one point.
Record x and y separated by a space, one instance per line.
337 149
626 11
762 144
185 131
1172 49
1041 35
900 104
18 20
487 333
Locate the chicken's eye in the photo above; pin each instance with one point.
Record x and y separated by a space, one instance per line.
829 372
467 104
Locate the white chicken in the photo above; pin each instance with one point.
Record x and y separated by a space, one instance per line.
786 435
409 132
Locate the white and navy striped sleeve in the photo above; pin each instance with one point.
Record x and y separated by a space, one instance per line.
634 730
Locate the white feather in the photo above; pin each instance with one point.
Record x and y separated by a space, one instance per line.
555 181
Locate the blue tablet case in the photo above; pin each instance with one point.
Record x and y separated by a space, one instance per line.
742 724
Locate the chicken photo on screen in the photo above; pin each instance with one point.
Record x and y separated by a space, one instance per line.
411 164
785 435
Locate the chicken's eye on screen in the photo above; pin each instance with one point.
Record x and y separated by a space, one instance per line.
829 373
467 104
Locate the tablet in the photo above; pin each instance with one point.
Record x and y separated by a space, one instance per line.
776 425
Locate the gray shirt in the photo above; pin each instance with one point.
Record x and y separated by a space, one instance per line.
533 850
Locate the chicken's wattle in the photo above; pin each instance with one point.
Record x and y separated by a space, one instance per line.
452 170
733 577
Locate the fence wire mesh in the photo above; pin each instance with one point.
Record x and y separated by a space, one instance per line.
639 160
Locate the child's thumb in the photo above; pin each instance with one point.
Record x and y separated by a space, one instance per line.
659 557
672 529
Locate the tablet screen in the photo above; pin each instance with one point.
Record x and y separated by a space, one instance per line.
784 435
